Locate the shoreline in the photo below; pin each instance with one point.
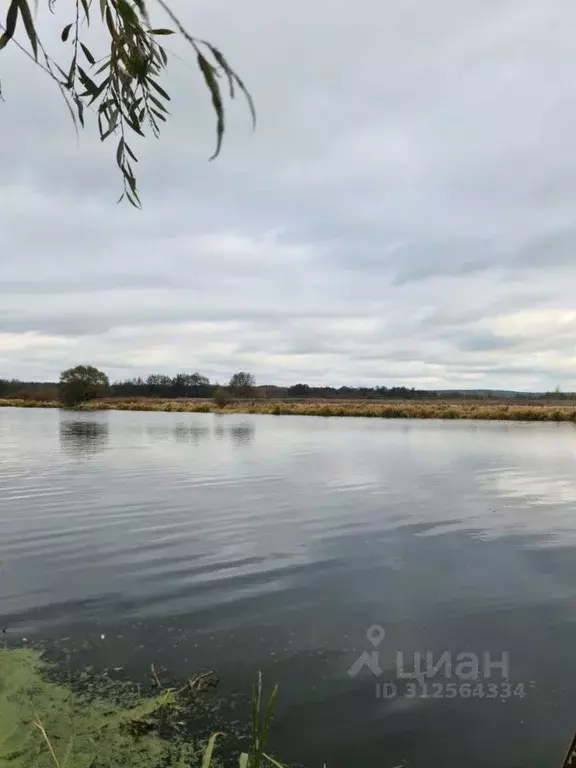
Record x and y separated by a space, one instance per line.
53 716
499 411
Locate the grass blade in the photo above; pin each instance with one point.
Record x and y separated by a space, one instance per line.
207 759
273 762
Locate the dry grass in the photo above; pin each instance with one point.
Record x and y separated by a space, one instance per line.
17 402
498 411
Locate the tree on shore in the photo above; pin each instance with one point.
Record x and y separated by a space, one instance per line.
190 385
242 384
82 383
299 390
221 397
120 83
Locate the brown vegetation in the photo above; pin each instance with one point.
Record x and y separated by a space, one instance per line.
450 409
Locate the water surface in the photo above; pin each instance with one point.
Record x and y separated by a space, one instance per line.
259 542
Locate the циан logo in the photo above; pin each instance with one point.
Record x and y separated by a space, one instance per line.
424 674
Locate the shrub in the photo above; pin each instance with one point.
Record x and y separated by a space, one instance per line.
221 397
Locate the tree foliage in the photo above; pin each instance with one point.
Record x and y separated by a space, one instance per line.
160 385
242 383
196 385
121 85
82 383
190 385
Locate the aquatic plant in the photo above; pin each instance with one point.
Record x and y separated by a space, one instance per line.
51 724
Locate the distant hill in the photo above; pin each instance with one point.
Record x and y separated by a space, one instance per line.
495 393
486 393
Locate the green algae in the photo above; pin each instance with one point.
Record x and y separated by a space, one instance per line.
47 724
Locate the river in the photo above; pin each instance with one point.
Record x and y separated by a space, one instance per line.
293 545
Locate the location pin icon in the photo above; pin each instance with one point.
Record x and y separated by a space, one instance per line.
375 634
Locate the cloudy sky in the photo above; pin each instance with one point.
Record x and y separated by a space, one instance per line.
405 212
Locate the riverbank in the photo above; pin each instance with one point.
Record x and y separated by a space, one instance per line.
45 722
50 717
499 411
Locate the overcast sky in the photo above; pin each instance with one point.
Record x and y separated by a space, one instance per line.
405 212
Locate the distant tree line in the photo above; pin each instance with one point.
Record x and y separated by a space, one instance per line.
28 390
86 382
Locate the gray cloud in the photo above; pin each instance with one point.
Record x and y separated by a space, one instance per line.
403 213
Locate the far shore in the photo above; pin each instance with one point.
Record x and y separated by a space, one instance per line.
395 409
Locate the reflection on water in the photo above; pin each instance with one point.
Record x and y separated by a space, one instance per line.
180 432
84 436
88 434
198 541
190 433
240 434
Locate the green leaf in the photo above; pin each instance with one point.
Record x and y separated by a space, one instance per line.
158 103
104 66
243 760
66 32
86 7
163 55
80 108
88 54
161 31
255 716
132 155
269 712
134 125
89 84
138 66
106 104
29 26
233 78
142 9
248 98
110 23
207 759
160 90
120 153
71 73
113 119
131 181
219 56
209 76
134 200
129 15
10 25
97 93
134 106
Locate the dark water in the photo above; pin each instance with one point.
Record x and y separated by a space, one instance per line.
244 543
